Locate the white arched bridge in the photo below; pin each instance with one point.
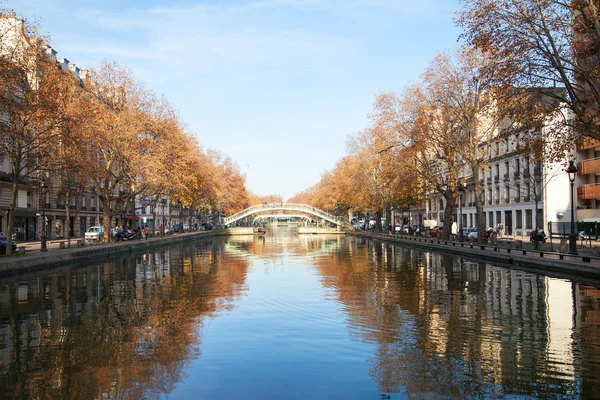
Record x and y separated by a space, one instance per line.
291 209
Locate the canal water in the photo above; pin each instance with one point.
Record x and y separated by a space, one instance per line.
297 317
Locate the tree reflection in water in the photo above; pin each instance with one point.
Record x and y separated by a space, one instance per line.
123 329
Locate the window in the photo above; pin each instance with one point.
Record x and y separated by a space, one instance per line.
507 192
528 219
518 192
491 219
519 221
517 166
498 217
506 168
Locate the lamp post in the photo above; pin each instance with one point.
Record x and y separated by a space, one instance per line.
572 171
43 246
461 237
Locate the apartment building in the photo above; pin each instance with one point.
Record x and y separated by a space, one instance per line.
514 186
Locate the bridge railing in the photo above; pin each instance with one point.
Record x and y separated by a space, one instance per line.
287 207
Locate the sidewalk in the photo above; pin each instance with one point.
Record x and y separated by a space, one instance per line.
585 264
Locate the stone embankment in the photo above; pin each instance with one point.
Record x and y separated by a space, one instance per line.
586 264
91 253
319 231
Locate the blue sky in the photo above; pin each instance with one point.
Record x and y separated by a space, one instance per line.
278 85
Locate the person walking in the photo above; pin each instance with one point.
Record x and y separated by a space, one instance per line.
146 232
500 230
139 233
454 230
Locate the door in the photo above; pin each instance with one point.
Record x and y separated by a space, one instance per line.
508 223
82 226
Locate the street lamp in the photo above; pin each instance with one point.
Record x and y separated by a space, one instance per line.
44 246
572 171
461 237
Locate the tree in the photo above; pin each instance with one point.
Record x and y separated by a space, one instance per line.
116 143
542 44
428 129
466 84
32 113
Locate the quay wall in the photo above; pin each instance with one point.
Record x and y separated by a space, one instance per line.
91 253
562 264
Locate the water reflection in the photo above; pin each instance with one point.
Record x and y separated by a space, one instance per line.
422 324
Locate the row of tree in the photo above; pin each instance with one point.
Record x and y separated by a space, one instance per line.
527 66
103 132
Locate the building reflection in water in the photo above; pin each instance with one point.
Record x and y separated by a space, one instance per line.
438 325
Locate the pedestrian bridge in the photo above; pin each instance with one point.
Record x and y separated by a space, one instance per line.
291 208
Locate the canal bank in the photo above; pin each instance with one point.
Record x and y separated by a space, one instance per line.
585 265
91 253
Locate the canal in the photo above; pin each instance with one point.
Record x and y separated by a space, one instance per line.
296 317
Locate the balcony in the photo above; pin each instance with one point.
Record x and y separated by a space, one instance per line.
588 143
497 201
589 192
60 206
497 179
506 200
489 179
506 177
516 175
526 198
588 167
517 199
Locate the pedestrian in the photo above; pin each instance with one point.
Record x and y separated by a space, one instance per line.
499 229
146 232
139 233
454 230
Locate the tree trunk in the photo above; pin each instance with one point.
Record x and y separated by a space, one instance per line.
378 221
180 218
154 226
481 229
388 218
449 213
68 220
11 214
106 216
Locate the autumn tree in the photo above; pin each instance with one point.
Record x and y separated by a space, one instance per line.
31 112
117 141
543 44
429 129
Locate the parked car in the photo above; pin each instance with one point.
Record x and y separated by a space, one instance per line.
94 234
467 232
475 234
3 244
436 231
406 229
175 228
207 226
